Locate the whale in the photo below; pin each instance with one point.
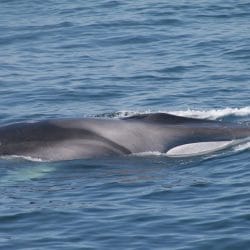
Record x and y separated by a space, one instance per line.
85 138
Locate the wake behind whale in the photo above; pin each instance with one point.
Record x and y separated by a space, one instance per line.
69 139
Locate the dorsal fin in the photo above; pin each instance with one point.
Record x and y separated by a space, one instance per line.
164 118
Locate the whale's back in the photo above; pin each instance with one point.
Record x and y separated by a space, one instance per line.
65 139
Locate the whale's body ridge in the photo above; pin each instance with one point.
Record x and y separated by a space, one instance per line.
67 139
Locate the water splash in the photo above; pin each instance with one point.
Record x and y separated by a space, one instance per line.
211 114
214 114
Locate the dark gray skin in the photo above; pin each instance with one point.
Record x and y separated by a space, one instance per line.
69 139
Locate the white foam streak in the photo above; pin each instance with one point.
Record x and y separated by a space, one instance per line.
211 114
214 114
150 153
28 158
242 147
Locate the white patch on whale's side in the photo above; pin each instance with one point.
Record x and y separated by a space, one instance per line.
198 148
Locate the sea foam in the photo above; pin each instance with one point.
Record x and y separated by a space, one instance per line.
211 114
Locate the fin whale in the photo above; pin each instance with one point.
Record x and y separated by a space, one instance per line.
68 139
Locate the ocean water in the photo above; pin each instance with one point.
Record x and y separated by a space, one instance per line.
113 59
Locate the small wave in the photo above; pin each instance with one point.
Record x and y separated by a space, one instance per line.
211 114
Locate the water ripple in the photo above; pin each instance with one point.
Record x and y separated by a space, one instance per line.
114 59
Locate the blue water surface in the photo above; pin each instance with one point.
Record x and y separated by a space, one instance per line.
100 58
